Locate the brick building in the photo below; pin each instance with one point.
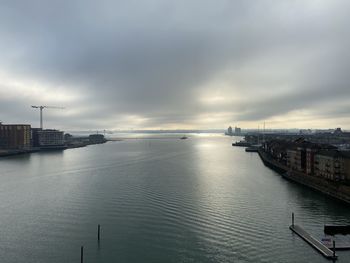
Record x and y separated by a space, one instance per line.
15 136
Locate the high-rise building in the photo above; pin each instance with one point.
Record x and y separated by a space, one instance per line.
238 130
14 136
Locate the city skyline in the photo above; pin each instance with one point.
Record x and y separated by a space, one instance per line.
185 65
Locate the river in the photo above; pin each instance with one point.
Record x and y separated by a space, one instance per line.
157 200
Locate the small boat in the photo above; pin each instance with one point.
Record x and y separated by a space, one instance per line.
183 138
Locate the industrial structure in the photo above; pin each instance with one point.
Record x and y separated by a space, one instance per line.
41 112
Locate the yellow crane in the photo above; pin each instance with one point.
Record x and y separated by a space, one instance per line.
41 112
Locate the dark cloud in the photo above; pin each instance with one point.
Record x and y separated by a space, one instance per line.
158 63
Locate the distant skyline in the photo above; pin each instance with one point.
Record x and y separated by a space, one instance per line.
121 65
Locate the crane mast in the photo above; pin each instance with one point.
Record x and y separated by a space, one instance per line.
41 112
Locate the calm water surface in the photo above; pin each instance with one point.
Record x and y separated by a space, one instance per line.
168 200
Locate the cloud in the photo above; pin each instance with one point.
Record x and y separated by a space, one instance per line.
161 64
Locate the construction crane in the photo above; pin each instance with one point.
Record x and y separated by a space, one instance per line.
41 112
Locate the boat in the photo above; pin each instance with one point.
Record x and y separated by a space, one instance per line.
242 144
252 149
183 138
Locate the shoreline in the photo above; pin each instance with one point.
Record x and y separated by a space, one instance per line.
336 190
9 153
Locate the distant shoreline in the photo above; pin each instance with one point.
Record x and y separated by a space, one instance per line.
9 153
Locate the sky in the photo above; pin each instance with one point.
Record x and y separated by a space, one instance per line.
184 64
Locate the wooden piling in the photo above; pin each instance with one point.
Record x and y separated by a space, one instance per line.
82 254
292 219
98 232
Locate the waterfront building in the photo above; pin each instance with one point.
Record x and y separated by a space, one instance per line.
329 165
68 137
301 158
346 158
339 138
97 138
238 131
293 159
14 136
333 165
229 131
298 155
47 138
277 149
310 160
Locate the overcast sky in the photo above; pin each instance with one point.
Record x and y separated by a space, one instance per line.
175 64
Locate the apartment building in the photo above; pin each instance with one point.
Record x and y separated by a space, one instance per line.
15 136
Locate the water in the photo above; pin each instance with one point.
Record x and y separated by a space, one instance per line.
157 200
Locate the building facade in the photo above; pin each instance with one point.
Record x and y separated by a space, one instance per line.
346 164
294 159
47 138
15 136
310 160
330 165
333 165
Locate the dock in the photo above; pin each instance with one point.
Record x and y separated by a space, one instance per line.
325 251
341 246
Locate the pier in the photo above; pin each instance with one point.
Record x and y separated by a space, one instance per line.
325 251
